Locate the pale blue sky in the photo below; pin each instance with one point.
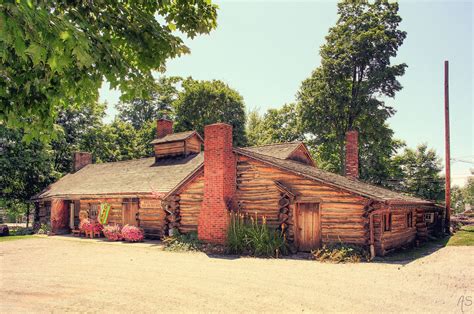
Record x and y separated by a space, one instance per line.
265 49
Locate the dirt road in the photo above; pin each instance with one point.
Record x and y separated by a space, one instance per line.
48 274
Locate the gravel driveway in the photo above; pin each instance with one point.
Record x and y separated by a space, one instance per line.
54 274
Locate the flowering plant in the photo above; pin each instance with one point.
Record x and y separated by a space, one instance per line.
113 232
90 226
132 233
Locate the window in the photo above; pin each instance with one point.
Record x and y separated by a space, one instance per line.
93 211
429 217
387 222
409 219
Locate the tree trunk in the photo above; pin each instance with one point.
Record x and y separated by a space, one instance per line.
27 214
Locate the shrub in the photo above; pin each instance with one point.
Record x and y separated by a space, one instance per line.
44 229
132 233
250 237
90 226
182 242
113 232
18 231
341 253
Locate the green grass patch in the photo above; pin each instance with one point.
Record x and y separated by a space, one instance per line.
16 237
464 237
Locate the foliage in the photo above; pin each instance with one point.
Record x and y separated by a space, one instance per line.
345 92
44 229
157 105
462 196
88 225
113 232
74 125
132 233
249 236
55 54
25 169
19 231
275 126
182 242
206 102
341 253
418 173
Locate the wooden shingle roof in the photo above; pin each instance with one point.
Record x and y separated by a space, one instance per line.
332 179
139 176
280 150
174 137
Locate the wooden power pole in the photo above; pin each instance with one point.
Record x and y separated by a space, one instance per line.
447 195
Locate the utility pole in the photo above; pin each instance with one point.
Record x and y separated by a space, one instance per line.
447 195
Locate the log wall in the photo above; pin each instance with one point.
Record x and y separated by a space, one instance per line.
342 214
190 200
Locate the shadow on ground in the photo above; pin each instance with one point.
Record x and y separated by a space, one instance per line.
408 255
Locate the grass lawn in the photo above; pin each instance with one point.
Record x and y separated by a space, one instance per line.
464 237
13 238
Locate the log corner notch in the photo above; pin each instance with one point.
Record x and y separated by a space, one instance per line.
172 219
285 215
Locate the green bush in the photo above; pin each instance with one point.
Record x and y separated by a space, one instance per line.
341 253
248 236
182 242
19 231
44 229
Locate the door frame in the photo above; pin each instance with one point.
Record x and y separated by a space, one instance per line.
297 223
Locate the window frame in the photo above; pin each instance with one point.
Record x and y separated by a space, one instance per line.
409 219
387 222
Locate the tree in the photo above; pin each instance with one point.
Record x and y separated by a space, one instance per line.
344 92
457 200
276 126
206 102
56 53
25 169
468 192
418 172
159 104
74 124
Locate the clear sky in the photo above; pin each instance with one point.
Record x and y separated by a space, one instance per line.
264 49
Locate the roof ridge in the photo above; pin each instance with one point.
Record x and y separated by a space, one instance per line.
118 161
274 144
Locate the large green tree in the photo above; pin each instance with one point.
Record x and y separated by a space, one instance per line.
206 102
418 172
346 92
74 124
275 126
25 169
54 54
157 105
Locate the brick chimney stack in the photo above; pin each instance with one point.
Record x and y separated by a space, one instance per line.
352 154
219 183
80 160
163 127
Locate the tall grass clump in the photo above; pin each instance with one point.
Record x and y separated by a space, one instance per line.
248 235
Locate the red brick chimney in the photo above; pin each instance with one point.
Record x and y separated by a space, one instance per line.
219 183
163 127
352 154
80 160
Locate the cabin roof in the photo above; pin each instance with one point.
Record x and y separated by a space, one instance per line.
173 137
138 176
332 179
279 150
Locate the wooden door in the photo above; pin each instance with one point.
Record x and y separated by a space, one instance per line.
308 226
130 212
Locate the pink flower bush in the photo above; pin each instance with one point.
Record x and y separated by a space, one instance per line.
113 232
91 226
132 233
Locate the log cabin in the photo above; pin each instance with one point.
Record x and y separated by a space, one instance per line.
188 189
